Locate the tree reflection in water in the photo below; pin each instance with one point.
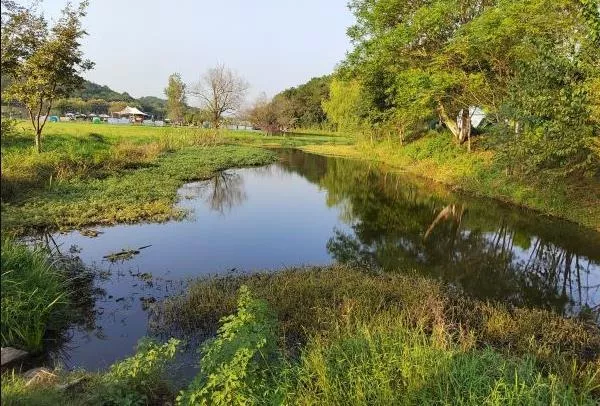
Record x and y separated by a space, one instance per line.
222 192
490 250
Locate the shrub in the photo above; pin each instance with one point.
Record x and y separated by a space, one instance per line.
139 379
236 366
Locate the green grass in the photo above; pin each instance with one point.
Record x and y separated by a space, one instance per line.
106 174
35 296
383 359
318 302
437 157
137 380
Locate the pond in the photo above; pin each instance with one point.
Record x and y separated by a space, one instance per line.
307 210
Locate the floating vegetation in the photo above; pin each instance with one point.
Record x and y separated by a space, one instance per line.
90 233
124 255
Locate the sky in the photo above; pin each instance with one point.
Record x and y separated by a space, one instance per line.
273 44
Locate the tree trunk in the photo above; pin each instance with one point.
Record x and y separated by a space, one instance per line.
451 124
38 141
465 127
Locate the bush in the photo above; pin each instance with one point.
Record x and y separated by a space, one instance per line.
235 366
139 379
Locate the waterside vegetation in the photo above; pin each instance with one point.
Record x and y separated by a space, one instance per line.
343 335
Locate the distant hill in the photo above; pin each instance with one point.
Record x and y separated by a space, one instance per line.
93 90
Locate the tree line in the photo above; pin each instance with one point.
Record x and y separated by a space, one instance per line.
533 67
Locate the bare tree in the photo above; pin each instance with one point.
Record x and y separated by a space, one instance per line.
220 92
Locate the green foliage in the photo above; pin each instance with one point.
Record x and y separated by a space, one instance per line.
343 107
396 353
35 296
301 106
237 366
175 93
139 379
315 301
384 362
530 63
43 64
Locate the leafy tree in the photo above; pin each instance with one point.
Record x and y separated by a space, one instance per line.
343 107
45 64
175 93
302 106
531 65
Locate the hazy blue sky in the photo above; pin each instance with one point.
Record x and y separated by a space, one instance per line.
274 44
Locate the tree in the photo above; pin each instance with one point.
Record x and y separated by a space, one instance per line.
220 92
303 104
343 107
263 115
176 100
45 64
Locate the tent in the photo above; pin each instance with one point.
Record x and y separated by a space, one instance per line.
130 111
133 113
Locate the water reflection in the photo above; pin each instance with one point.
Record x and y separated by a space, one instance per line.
222 192
311 210
491 251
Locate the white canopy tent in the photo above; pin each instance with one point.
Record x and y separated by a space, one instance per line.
130 111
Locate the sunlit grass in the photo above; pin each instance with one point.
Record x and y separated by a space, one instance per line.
34 296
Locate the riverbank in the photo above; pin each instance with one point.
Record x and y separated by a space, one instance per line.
89 174
345 335
440 159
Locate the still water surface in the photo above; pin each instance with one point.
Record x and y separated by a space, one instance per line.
311 210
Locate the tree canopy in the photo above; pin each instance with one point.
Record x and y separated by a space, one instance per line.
44 64
531 65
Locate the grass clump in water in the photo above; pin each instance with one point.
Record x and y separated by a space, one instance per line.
381 360
35 296
318 301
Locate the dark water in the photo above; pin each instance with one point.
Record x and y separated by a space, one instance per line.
308 209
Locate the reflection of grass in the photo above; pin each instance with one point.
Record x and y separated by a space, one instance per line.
321 302
438 158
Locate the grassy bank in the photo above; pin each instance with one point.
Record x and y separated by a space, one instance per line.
437 157
381 360
321 307
341 335
40 296
137 380
107 174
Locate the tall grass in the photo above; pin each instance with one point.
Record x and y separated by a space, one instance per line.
34 296
381 360
317 301
386 362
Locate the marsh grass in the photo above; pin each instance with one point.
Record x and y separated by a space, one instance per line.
316 302
35 296
384 359
108 174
